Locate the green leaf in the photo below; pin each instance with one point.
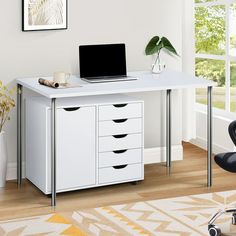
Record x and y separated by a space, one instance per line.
152 46
168 46
159 46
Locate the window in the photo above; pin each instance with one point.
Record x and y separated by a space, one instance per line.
215 33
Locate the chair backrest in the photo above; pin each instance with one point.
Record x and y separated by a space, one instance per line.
232 131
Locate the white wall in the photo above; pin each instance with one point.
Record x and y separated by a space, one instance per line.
221 140
26 54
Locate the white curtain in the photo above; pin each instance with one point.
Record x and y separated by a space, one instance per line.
188 59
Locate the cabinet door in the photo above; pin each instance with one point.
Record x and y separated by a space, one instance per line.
75 147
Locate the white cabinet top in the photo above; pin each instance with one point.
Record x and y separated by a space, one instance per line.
146 81
86 100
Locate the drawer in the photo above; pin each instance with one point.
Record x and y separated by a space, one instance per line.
120 111
120 126
120 173
120 142
120 157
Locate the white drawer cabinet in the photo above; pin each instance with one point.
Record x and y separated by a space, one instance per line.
120 142
97 142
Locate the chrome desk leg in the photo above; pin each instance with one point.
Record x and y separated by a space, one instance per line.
19 134
168 128
53 151
209 136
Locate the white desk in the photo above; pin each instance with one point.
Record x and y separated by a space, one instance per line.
168 81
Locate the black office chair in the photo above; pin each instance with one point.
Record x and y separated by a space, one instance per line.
227 161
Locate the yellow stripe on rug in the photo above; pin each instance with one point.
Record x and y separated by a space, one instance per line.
56 218
73 231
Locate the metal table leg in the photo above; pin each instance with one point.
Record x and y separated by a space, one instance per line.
168 128
53 151
209 136
19 134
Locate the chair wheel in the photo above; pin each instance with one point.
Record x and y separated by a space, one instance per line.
214 230
234 219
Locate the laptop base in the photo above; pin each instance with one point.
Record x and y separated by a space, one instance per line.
108 79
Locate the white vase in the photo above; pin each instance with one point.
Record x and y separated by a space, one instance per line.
3 159
157 68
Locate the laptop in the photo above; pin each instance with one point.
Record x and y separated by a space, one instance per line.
103 63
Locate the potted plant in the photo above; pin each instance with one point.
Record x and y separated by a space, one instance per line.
6 104
155 46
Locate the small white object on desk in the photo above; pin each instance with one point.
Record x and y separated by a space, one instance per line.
61 77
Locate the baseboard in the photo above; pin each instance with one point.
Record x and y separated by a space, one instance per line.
158 155
12 170
202 143
151 155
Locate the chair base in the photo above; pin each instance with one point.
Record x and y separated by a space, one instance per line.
213 229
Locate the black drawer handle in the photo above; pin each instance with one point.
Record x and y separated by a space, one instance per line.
120 105
120 136
72 108
120 151
120 120
119 167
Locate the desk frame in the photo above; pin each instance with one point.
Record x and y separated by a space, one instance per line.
53 138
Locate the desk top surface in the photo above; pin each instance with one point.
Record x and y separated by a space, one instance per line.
146 81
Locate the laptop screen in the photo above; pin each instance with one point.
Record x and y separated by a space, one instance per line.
105 60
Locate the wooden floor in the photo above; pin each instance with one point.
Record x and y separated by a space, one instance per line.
187 177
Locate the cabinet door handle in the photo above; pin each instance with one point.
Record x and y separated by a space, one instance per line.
71 108
119 167
120 105
120 120
120 151
120 136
